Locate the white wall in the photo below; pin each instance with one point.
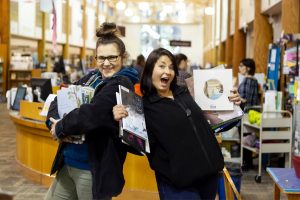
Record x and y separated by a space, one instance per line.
132 40
193 33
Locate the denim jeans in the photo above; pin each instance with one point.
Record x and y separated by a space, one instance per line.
204 190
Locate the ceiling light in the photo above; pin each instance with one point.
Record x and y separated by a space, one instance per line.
121 5
209 10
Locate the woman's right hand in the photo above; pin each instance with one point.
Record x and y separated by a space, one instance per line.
119 112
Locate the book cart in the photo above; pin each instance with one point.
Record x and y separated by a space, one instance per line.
274 133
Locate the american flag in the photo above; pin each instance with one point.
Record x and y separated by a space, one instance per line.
54 26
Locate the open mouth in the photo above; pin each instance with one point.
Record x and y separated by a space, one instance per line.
164 80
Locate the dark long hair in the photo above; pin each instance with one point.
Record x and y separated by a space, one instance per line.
147 87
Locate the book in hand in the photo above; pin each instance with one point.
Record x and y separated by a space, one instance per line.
212 88
222 120
133 127
218 119
71 98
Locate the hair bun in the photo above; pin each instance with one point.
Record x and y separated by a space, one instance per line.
107 29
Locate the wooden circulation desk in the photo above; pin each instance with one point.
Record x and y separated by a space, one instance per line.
35 151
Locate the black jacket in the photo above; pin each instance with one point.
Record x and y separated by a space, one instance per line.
183 147
106 152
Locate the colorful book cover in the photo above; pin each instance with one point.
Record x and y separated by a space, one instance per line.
133 127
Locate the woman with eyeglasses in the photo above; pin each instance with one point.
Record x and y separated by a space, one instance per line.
93 169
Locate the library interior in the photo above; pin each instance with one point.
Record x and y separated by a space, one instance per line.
233 63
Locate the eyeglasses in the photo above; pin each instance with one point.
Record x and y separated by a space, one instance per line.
101 59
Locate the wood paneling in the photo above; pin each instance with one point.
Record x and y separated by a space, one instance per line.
239 42
229 51
221 53
291 16
4 55
66 53
42 41
5 40
262 38
4 21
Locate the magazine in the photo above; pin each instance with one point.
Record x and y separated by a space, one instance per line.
133 127
212 88
219 120
71 98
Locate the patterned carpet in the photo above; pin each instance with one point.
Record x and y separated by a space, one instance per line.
11 181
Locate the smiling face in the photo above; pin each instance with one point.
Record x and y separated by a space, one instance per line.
108 59
162 76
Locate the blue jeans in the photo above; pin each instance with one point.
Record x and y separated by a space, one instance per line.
204 190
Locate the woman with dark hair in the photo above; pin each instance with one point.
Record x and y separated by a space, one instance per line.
248 88
185 167
139 64
93 169
181 61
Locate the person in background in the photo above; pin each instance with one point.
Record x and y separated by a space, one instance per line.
248 90
181 61
59 65
140 64
93 168
175 140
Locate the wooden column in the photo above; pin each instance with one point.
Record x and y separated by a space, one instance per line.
5 40
262 38
84 31
66 53
229 40
208 39
239 42
221 53
42 41
229 51
291 16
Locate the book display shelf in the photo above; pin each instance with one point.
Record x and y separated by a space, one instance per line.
19 77
274 133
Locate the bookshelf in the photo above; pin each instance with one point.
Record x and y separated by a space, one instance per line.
19 77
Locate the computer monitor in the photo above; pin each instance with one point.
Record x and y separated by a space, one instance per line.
20 95
41 88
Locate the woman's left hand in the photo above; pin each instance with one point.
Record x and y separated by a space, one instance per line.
52 131
235 97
